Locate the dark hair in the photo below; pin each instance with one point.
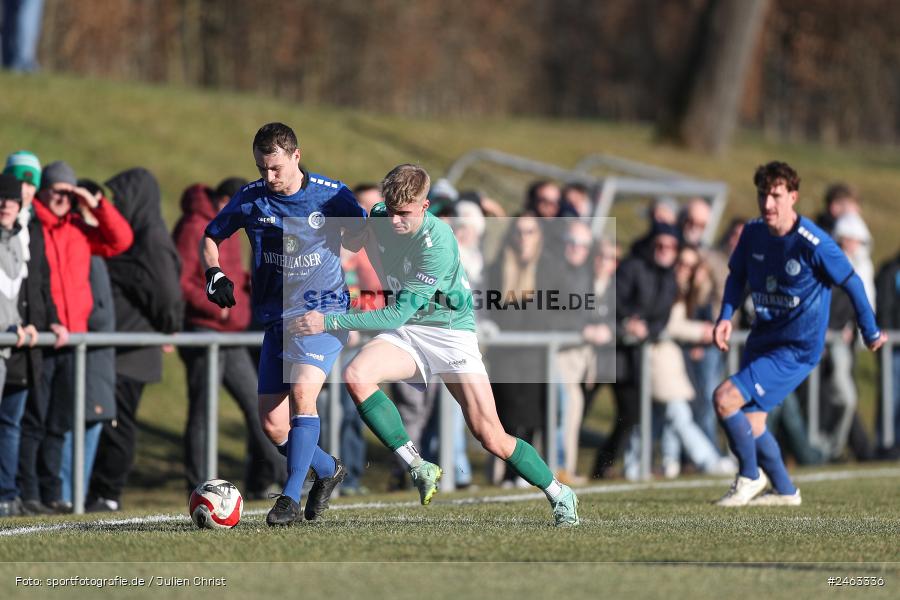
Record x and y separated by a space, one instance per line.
775 172
576 186
839 191
726 233
91 186
273 136
362 188
229 187
532 193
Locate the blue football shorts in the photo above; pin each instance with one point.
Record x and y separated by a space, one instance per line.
766 378
278 354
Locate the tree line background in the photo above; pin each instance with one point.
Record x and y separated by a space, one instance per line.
817 69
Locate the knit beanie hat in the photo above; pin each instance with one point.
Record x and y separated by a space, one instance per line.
58 172
24 166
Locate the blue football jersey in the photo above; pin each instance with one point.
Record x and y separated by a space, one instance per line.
296 243
790 279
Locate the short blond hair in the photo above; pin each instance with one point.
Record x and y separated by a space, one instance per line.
404 184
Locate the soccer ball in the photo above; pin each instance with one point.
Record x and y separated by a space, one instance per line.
216 504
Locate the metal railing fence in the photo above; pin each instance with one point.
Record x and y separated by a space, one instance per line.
551 341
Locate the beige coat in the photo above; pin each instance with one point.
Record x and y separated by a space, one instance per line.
669 381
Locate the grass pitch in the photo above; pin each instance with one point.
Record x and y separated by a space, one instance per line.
638 540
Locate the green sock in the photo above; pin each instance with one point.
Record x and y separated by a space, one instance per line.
379 413
529 465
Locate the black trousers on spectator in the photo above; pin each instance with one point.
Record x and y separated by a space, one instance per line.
115 451
48 416
628 414
265 465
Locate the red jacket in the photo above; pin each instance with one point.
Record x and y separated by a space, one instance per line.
362 281
70 242
198 211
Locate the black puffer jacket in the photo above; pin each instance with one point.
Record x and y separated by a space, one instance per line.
646 291
35 307
887 301
145 279
100 379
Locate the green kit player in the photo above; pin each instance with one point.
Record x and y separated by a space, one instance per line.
427 327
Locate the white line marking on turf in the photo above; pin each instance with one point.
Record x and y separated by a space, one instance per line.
590 490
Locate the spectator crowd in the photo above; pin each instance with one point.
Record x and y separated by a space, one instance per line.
78 256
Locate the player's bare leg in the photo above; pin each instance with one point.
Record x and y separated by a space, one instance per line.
377 362
475 397
750 480
275 417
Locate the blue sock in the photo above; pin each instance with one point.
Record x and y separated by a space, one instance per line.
323 463
769 455
740 440
302 442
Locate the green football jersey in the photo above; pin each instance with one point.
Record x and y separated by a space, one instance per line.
421 275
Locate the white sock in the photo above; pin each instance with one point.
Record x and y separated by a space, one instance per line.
408 453
553 490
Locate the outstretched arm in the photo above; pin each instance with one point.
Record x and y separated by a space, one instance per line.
389 317
837 270
865 316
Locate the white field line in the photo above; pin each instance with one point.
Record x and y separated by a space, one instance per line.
589 490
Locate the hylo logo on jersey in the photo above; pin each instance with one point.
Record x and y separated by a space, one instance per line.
291 244
426 279
316 220
759 389
267 220
771 283
792 267
318 357
407 265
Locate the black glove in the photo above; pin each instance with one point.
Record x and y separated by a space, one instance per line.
219 289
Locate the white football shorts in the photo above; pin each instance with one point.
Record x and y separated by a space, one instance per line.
437 350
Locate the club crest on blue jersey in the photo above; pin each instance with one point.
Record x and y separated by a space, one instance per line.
316 220
792 267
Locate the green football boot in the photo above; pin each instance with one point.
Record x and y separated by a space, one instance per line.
425 477
565 508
